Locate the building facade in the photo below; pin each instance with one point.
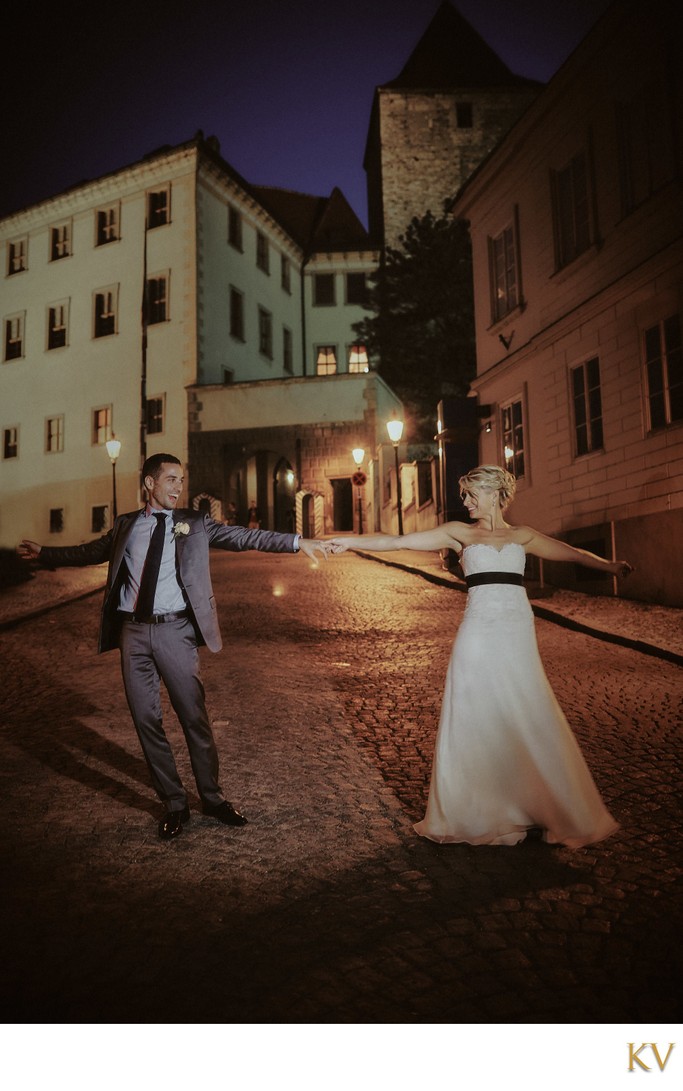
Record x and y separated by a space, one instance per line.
577 232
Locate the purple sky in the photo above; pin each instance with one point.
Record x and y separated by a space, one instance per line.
286 86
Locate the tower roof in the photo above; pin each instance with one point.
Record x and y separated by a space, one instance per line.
315 223
452 54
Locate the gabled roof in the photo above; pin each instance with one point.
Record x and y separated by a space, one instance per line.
315 223
451 54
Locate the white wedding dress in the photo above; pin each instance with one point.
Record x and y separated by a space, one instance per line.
505 758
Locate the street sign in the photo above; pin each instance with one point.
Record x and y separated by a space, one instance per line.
359 478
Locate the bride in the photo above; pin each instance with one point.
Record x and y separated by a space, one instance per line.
506 760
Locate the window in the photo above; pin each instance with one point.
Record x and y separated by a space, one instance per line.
358 359
512 428
10 442
17 251
99 518
265 333
14 337
234 228
326 360
60 241
157 299
105 312
503 272
285 274
56 520
155 416
646 153
356 289
159 207
287 351
587 404
107 225
262 252
323 289
54 434
571 209
57 320
101 425
464 115
236 314
664 371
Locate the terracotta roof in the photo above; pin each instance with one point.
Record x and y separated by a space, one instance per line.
452 54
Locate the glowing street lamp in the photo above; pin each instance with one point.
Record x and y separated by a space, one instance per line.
395 430
113 446
359 479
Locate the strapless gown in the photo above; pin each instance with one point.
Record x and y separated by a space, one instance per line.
505 757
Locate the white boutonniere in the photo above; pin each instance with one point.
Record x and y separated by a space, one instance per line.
180 528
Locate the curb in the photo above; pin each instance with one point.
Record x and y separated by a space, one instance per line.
543 613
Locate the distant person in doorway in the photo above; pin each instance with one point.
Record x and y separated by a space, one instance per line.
253 517
506 761
158 609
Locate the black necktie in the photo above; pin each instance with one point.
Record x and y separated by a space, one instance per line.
150 573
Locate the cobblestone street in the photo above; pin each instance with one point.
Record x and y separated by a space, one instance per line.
326 908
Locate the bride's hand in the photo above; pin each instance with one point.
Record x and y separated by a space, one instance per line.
621 568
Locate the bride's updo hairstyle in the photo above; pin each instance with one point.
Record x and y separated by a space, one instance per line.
493 478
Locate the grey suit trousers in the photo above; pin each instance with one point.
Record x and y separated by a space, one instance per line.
169 653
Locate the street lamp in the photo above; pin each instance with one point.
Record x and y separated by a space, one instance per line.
395 430
359 480
113 450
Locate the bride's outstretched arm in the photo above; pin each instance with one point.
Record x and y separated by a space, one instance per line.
552 549
443 537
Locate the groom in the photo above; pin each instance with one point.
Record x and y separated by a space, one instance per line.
158 608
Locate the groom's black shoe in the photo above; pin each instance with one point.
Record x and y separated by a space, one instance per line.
172 823
226 813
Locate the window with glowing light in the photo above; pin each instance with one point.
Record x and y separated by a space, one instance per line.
159 207
503 273
57 325
101 425
512 433
60 241
17 256
326 360
358 359
10 442
107 225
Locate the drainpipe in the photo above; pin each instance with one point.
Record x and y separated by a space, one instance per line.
303 313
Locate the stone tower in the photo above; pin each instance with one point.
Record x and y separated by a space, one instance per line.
432 125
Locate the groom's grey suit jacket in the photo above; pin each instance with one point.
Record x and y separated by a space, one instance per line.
192 566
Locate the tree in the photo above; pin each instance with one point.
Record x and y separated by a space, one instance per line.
422 329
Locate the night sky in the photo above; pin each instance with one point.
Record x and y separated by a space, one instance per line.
285 86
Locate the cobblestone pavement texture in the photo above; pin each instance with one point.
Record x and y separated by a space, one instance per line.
326 908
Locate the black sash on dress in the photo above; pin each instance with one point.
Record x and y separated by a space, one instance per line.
494 577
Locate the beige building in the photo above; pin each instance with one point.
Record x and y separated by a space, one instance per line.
176 307
577 231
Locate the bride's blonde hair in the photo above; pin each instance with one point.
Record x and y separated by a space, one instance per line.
494 478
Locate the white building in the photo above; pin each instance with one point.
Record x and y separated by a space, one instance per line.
135 304
577 230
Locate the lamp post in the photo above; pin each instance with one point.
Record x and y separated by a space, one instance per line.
359 479
395 430
113 450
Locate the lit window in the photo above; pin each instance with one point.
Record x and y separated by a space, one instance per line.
323 289
101 425
358 358
54 434
57 318
60 241
664 372
326 360
503 271
159 207
512 428
587 404
14 337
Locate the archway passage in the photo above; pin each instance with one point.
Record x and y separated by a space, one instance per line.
342 503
